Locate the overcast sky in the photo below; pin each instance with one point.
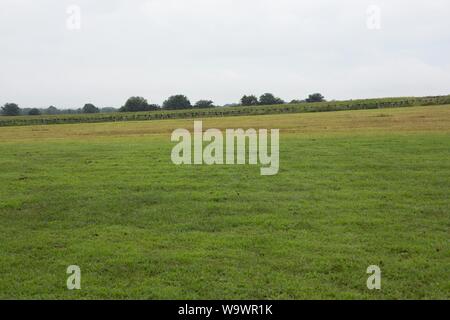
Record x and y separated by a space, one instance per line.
220 50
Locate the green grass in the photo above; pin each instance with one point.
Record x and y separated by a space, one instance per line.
106 197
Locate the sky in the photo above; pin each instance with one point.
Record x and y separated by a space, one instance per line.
68 53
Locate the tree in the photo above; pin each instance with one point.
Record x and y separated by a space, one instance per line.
51 110
268 99
204 104
90 108
34 112
177 102
315 97
135 104
11 109
249 100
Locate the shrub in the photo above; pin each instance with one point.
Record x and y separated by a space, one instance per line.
90 108
52 110
11 109
315 97
249 100
177 102
135 104
269 99
204 104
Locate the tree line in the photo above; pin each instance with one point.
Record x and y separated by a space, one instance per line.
138 104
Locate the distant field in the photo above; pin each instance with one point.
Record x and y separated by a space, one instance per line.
355 188
327 106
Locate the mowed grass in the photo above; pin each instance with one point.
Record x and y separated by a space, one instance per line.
355 188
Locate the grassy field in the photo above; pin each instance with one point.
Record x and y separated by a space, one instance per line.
355 188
